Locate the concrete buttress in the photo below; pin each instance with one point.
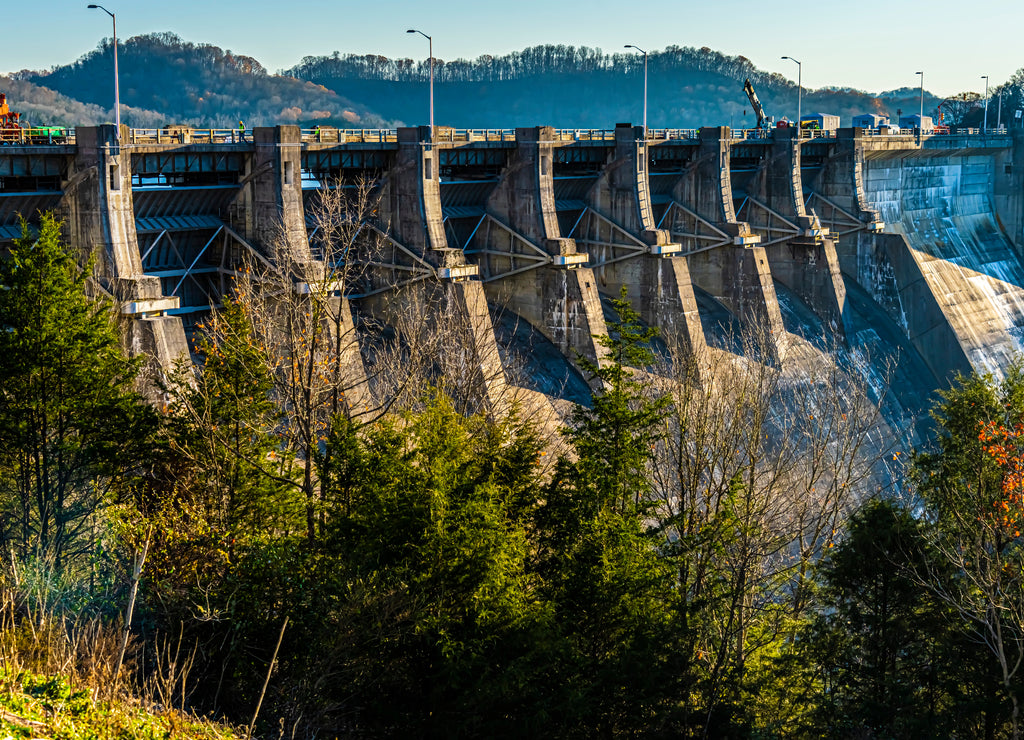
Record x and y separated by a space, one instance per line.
558 296
449 299
806 261
99 217
275 224
656 278
734 269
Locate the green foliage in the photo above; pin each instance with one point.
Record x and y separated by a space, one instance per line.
71 424
889 653
971 486
612 594
959 474
439 601
224 422
615 437
33 705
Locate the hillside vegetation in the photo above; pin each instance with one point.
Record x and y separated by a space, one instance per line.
579 87
166 80
712 560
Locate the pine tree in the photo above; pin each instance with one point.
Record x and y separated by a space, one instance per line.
71 424
224 425
611 593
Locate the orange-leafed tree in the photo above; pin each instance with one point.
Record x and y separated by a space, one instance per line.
972 487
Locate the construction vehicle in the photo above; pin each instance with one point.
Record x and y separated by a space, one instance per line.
10 129
762 121
13 132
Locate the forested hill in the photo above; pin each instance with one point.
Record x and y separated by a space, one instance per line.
580 87
165 80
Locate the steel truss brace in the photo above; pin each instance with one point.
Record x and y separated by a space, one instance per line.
685 224
152 246
418 270
772 225
590 224
839 220
533 255
188 270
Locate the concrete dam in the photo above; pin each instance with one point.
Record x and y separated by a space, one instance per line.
906 248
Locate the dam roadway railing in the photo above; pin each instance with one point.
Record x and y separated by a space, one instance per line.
187 135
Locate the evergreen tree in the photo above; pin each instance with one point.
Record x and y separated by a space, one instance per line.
972 484
224 424
415 611
891 660
71 424
613 667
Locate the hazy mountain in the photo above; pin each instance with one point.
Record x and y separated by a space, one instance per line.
200 84
165 80
579 87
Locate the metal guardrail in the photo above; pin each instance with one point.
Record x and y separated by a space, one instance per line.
188 135
466 134
672 134
50 135
331 135
584 134
37 135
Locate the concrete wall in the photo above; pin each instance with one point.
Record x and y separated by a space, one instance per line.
411 212
736 273
948 269
657 281
807 264
941 205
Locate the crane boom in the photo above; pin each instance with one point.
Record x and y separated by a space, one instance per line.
754 102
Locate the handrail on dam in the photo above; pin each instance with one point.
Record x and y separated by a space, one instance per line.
186 135
331 135
672 134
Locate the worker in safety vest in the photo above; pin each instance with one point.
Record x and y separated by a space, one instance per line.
241 131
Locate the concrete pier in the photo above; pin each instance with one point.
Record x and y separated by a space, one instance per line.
627 249
805 261
733 267
412 215
99 217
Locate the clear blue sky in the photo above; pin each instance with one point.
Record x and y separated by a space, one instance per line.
873 46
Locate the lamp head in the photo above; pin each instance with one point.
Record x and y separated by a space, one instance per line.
411 30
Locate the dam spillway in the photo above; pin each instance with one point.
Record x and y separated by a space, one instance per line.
909 243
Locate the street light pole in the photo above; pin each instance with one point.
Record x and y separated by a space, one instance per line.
984 125
430 47
631 46
117 85
799 92
920 122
